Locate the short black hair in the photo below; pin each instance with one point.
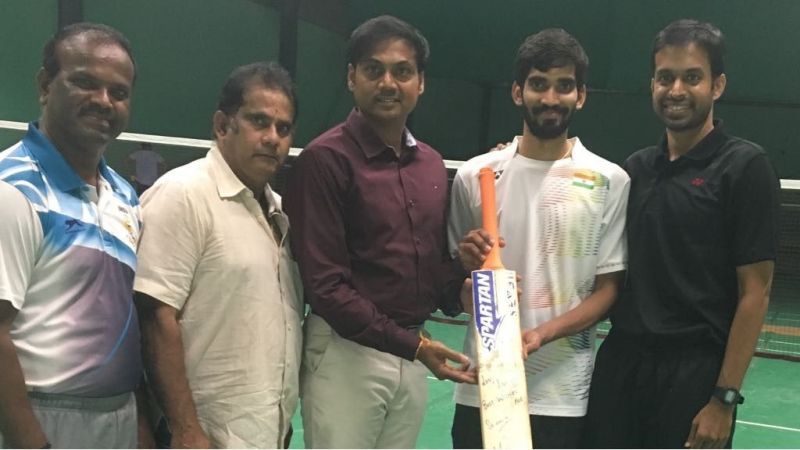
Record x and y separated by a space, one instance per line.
378 29
683 32
270 74
97 31
549 48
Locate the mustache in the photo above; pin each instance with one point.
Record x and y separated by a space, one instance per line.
544 108
96 110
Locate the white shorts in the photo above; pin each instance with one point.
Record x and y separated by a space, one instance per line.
84 422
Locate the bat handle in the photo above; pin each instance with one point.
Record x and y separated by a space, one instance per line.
489 213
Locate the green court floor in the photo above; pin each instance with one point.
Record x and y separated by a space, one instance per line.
770 417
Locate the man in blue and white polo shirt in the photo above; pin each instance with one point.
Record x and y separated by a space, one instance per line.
69 339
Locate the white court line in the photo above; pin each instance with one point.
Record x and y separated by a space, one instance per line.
776 427
202 143
744 422
22 126
138 137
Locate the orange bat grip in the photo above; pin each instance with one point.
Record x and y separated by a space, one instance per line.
489 213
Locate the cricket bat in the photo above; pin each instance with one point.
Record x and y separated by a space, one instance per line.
505 421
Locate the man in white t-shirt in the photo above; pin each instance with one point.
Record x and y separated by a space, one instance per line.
561 209
145 166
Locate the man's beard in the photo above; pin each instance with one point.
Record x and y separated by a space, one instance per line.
549 129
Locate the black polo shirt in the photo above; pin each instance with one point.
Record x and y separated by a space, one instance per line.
691 222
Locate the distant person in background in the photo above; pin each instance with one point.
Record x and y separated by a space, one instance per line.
702 227
69 335
145 166
367 203
217 287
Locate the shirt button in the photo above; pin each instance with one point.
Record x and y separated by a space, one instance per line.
411 203
418 240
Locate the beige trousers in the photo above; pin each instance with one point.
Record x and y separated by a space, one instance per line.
358 397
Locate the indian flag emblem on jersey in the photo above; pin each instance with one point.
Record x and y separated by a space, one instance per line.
584 178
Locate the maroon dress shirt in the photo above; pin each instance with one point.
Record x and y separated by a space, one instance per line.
368 232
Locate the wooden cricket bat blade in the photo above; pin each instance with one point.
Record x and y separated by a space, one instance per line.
502 387
501 372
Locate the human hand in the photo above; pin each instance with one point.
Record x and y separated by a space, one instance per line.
466 297
33 440
499 146
25 432
192 437
145 434
711 427
532 340
435 355
474 247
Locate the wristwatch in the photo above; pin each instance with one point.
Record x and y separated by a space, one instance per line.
728 396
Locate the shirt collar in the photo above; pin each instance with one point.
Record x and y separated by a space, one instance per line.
368 140
704 149
576 150
228 184
57 168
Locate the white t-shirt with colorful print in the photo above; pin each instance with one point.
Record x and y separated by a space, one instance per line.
564 223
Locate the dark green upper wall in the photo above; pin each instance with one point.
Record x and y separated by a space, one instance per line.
30 23
186 48
321 80
475 42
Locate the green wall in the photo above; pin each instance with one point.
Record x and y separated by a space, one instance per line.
321 79
30 23
475 42
186 48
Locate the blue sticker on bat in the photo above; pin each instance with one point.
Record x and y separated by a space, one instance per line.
485 305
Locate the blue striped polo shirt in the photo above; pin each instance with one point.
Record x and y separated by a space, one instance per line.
76 331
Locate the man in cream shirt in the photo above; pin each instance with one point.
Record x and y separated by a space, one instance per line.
217 287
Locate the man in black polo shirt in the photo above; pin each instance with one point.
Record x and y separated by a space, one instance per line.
702 225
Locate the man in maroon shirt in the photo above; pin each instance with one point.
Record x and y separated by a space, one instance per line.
367 204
